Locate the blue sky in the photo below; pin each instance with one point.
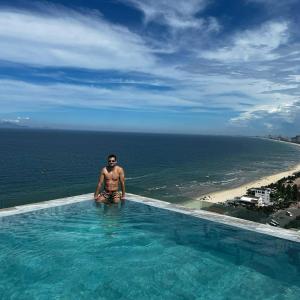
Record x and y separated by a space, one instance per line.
197 66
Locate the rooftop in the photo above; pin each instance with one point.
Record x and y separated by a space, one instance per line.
223 219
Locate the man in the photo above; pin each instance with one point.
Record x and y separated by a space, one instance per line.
111 175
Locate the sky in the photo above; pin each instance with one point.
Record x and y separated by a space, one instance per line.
184 66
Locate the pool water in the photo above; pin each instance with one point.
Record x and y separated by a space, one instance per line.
136 251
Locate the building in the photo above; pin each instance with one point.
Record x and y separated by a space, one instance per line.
249 200
263 196
296 139
279 138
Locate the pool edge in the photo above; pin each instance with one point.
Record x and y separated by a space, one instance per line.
202 214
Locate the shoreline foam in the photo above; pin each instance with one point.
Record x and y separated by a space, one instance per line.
223 195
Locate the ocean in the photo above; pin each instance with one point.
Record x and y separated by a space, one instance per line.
38 165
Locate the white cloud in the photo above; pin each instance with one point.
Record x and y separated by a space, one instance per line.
64 38
36 97
13 121
23 118
69 39
274 4
294 78
199 93
269 126
254 100
266 114
252 45
18 120
178 16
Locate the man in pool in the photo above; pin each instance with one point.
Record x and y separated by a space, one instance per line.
111 175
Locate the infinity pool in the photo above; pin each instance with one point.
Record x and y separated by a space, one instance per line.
136 251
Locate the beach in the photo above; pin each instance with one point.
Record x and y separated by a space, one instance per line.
224 195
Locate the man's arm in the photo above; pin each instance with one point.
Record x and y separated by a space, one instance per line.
122 182
99 185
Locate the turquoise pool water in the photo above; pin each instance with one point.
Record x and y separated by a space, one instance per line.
84 251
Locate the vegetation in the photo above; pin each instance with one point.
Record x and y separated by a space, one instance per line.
285 193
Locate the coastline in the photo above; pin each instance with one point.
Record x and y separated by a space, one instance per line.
223 195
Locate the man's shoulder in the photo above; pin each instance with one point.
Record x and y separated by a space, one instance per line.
119 168
104 170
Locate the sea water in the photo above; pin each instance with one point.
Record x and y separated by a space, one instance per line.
37 165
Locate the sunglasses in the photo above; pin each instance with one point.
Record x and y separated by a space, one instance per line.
111 160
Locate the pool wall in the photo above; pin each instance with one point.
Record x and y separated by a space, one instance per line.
214 217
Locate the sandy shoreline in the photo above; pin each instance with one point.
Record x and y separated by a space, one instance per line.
222 196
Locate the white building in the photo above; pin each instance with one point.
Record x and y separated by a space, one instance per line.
263 196
249 200
296 139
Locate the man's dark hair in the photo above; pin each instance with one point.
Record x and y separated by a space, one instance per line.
111 156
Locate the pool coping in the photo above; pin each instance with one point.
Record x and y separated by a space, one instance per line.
202 214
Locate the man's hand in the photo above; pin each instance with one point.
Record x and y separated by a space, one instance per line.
123 197
99 185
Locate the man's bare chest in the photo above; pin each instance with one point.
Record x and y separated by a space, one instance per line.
112 175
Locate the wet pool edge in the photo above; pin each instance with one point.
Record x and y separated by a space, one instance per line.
206 215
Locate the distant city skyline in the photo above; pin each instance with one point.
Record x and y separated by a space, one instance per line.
198 66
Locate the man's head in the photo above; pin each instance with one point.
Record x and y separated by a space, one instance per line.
112 160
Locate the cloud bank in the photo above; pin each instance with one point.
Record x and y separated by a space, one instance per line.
181 59
70 39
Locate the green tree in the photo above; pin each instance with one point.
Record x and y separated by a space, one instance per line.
295 193
288 193
281 190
